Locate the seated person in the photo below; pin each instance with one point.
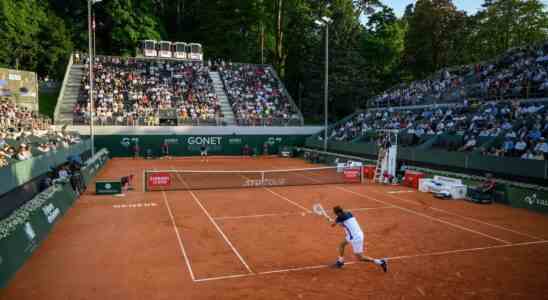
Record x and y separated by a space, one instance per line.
246 151
483 193
127 182
148 154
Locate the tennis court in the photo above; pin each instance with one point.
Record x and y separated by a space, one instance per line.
265 242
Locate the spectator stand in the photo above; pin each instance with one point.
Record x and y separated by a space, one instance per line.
257 96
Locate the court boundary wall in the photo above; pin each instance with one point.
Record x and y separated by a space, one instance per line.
26 228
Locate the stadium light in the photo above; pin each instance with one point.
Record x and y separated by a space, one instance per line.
319 23
325 22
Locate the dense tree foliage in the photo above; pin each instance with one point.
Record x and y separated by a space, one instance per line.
371 48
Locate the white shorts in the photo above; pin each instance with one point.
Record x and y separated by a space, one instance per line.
203 153
357 245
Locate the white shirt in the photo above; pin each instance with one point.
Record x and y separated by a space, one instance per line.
63 174
351 227
542 147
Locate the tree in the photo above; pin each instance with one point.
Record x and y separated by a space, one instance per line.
32 37
382 47
505 24
131 22
431 41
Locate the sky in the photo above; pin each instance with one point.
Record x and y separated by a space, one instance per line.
470 6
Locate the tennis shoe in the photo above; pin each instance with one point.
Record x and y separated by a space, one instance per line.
384 265
338 264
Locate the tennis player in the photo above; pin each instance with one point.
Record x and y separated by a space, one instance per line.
354 237
203 152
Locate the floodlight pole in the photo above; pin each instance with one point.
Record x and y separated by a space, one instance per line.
91 100
326 82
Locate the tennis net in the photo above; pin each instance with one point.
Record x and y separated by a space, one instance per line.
196 180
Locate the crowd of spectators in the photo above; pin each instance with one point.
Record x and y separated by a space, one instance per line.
513 129
519 73
417 92
25 134
256 95
70 172
136 92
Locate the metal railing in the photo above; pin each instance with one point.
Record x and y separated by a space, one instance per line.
63 87
144 121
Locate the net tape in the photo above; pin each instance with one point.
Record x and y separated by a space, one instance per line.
195 179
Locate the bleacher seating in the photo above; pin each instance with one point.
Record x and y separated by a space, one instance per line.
256 95
130 91
133 92
515 129
25 134
519 73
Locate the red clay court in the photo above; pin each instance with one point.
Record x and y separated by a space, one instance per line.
265 243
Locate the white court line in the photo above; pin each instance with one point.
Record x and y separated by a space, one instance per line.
426 216
468 218
286 199
400 192
255 216
291 214
439 253
282 197
217 226
224 277
181 246
418 214
401 257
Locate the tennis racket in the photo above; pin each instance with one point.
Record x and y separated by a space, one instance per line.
320 211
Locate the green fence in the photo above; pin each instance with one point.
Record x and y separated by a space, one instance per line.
185 145
23 231
22 172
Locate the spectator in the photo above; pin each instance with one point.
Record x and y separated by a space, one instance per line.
528 155
76 178
483 193
520 147
24 152
165 149
46 182
63 173
470 143
508 147
136 151
44 148
542 147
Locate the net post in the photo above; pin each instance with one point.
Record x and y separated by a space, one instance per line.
144 180
361 174
262 177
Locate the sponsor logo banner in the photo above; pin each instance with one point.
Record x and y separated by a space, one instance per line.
351 174
235 141
159 180
51 212
29 231
534 200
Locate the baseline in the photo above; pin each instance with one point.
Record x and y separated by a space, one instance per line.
394 258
